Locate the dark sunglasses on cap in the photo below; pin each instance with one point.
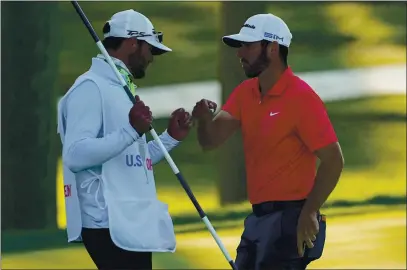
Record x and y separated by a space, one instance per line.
158 35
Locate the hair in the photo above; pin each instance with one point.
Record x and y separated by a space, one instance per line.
282 51
111 43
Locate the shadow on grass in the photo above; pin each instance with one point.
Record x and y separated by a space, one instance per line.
393 14
221 215
26 241
238 217
363 135
371 117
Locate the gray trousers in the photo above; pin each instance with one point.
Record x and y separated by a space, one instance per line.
269 239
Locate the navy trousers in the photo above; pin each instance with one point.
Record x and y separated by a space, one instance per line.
269 239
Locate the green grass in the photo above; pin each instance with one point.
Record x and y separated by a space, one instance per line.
374 238
325 36
362 241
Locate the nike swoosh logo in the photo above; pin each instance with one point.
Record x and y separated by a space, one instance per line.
272 114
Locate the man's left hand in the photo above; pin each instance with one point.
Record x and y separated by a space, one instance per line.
180 124
307 229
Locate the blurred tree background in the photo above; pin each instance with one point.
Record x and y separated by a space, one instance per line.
326 36
232 173
30 149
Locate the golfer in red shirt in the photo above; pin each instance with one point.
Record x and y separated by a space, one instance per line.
285 129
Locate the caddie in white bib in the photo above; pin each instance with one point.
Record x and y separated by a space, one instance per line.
108 164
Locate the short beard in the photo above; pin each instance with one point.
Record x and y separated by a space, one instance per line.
258 66
135 65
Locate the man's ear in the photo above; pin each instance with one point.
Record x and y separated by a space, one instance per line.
131 44
272 49
135 44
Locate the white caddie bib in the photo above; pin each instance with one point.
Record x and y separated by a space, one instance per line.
138 221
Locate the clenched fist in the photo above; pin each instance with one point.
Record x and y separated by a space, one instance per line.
180 124
203 109
140 116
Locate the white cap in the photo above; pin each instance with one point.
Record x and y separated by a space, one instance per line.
132 24
261 27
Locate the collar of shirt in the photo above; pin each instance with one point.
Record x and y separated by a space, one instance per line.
280 86
117 62
123 70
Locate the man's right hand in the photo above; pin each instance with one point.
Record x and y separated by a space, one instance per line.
203 109
140 116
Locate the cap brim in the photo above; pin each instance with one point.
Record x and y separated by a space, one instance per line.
236 40
158 48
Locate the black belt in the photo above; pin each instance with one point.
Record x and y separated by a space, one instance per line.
265 208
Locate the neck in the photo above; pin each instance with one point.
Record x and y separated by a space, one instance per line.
119 56
269 77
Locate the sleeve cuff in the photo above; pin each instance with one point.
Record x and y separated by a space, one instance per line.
318 146
167 138
230 111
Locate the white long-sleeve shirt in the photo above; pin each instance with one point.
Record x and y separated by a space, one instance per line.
86 148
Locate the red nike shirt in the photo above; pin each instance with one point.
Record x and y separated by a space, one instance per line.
280 132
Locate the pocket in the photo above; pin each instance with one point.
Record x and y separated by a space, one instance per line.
319 243
289 221
141 225
288 240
